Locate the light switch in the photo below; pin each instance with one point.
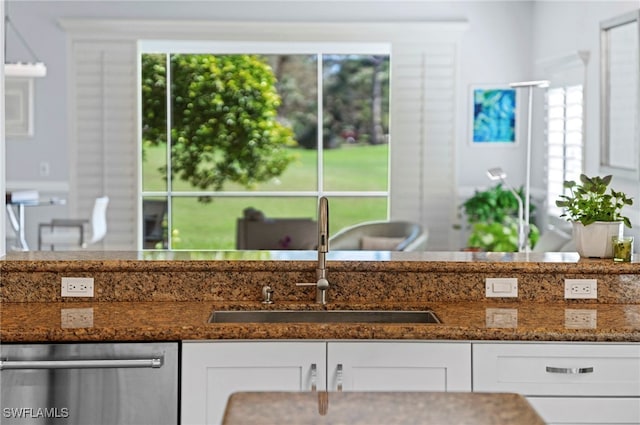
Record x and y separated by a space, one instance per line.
501 287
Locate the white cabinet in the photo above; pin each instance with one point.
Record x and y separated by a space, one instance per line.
212 370
398 366
565 382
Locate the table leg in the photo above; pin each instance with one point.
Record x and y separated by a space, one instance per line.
18 225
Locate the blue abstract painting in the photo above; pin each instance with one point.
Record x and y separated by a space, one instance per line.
494 115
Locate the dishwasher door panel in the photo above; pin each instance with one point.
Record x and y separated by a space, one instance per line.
80 384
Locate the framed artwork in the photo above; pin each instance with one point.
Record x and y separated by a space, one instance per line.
18 107
494 115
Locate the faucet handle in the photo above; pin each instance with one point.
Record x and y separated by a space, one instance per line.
322 284
266 295
306 283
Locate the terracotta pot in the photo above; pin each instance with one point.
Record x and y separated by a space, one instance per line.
594 240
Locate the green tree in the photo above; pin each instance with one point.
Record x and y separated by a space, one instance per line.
298 87
355 90
224 123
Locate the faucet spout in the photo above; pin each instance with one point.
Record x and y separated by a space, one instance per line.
323 249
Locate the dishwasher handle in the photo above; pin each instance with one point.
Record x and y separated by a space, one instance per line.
81 364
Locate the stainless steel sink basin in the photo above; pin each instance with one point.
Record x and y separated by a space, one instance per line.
324 316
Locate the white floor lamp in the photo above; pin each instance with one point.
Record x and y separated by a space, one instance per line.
527 186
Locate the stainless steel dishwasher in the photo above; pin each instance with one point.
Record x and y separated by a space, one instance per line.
89 383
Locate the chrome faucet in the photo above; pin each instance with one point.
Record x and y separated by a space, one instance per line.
323 248
321 284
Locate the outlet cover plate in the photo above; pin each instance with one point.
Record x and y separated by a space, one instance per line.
71 318
580 289
501 317
501 287
77 287
580 318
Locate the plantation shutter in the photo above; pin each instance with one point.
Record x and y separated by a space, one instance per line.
564 127
103 83
423 137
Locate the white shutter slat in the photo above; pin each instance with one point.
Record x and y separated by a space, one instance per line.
422 127
104 139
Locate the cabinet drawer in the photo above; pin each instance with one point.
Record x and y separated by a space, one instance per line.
557 369
601 411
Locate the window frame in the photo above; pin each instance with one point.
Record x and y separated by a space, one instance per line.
266 48
565 71
425 78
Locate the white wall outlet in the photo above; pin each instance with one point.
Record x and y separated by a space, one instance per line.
76 318
580 288
580 318
44 169
77 287
501 287
501 317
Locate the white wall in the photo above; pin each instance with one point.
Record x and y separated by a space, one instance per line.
566 27
502 45
496 50
2 150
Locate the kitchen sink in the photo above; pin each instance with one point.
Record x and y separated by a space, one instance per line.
323 316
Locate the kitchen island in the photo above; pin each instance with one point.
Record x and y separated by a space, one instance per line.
169 296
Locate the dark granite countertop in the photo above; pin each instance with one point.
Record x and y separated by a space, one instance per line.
299 260
162 296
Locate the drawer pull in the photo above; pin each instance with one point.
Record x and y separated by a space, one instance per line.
314 377
570 370
339 376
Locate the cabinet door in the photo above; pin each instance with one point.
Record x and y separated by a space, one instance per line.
399 366
211 371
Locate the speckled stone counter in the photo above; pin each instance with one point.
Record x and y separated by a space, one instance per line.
172 321
169 296
369 408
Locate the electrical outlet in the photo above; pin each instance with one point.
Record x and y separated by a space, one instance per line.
77 287
580 288
44 169
580 318
76 318
501 287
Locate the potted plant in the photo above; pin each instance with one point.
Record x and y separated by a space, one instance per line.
595 214
492 219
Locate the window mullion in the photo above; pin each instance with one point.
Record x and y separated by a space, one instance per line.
320 120
168 153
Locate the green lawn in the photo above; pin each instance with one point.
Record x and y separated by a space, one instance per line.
212 225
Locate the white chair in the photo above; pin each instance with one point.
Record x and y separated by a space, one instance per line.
554 240
381 236
70 233
255 231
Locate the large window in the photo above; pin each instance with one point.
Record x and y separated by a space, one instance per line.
270 127
564 141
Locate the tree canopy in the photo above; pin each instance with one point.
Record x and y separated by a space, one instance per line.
224 123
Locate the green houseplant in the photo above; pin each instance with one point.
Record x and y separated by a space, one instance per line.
596 214
491 217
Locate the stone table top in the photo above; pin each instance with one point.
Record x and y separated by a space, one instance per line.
371 408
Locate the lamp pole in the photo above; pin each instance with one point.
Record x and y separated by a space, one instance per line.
498 174
527 185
